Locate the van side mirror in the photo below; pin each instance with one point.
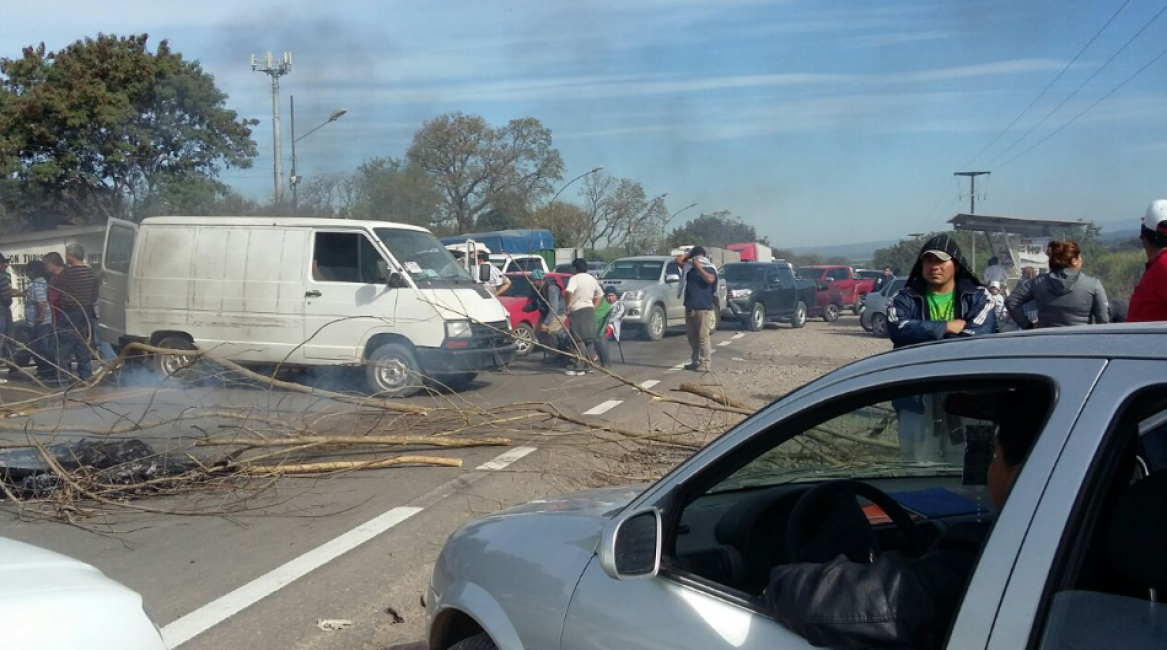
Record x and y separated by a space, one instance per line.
631 545
396 280
484 272
383 270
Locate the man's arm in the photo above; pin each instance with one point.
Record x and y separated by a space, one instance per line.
905 330
1015 304
982 317
597 296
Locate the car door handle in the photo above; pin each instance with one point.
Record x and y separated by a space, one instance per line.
312 294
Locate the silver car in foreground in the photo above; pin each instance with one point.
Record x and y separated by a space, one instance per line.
1077 557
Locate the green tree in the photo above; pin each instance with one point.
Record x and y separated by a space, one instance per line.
568 223
474 165
718 229
108 128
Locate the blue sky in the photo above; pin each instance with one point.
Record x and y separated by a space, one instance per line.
820 122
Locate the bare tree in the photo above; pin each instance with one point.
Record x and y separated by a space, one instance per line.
329 195
472 163
616 209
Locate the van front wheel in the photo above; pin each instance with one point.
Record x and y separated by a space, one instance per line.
392 370
173 365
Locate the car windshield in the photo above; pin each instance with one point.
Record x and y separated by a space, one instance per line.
423 257
520 287
743 272
633 270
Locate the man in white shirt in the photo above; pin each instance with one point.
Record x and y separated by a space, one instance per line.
498 283
583 296
994 272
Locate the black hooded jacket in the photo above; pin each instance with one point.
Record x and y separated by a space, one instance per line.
907 316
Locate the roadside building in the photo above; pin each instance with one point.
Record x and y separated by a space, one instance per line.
22 248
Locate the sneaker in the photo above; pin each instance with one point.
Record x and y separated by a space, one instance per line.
703 369
692 366
573 373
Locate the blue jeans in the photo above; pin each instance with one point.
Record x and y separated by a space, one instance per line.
74 335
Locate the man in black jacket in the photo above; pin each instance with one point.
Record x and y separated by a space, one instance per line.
896 600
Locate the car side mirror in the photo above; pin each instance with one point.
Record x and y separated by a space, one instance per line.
396 280
631 545
823 286
484 272
672 278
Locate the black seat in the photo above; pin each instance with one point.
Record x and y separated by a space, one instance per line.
1137 535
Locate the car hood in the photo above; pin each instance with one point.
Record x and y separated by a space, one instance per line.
601 503
630 285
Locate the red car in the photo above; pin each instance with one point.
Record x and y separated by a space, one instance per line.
853 289
518 296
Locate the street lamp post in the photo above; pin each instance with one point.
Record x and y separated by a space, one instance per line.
294 180
628 241
665 224
593 170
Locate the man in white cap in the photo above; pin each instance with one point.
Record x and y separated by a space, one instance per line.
1149 301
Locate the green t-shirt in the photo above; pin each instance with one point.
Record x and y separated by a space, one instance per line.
602 311
942 306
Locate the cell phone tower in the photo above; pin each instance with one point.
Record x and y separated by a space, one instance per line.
275 70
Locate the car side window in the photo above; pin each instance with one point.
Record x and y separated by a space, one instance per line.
772 275
670 269
1109 585
345 257
837 274
786 275
858 479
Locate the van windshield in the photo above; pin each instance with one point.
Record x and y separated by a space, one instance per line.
425 258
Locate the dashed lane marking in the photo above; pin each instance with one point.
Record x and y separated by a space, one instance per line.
204 618
677 368
739 335
724 343
604 407
505 459
649 384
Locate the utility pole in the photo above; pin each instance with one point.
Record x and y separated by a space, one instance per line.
972 185
275 70
293 180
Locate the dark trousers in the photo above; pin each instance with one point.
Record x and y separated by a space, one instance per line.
74 338
582 325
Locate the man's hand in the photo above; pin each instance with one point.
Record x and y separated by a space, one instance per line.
955 326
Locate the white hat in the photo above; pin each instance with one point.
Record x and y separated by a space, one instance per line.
1155 218
995 284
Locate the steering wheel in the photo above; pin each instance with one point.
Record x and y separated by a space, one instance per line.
827 521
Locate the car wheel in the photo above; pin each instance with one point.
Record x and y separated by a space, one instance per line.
831 313
654 330
757 317
392 370
716 324
174 365
879 325
524 336
456 381
798 319
865 322
477 642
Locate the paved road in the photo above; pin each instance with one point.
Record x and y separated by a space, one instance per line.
349 547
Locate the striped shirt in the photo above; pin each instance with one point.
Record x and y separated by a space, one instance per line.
77 286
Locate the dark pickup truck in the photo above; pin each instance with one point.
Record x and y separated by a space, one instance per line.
767 291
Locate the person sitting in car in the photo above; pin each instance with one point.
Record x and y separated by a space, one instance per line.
897 600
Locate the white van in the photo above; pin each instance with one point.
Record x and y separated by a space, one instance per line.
302 292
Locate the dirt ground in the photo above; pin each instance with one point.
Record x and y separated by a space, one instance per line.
779 359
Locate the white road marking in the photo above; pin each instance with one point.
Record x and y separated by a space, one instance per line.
649 384
604 407
677 368
739 335
505 459
724 343
204 618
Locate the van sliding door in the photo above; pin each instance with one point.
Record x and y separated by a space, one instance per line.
113 295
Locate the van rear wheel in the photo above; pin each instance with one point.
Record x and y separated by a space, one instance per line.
392 370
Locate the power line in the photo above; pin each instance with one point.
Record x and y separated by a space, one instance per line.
1078 89
1048 86
1037 144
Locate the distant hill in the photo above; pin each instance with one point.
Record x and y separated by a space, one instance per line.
1116 231
854 252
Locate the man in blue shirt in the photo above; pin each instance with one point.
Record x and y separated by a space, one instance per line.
697 286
